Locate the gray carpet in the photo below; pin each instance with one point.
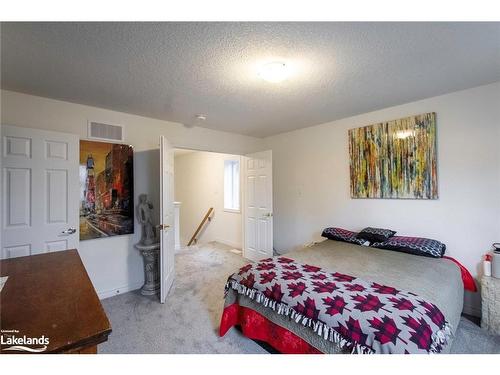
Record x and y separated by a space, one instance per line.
189 321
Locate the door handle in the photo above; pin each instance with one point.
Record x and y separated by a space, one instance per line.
163 226
69 231
269 214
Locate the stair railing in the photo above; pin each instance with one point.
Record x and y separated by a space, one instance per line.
206 218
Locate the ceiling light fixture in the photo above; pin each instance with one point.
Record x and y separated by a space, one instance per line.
274 72
201 117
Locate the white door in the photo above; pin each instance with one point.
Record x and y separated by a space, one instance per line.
167 239
258 205
40 191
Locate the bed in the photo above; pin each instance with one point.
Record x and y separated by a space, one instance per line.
435 280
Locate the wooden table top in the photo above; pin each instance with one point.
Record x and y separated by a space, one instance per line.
51 294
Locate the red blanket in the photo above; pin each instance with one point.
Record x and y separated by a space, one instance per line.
467 278
257 327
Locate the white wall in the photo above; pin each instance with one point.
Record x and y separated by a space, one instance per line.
112 263
311 180
311 176
199 185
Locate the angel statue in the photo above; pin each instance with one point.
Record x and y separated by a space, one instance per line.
144 215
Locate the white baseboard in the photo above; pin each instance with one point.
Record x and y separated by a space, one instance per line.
114 292
229 243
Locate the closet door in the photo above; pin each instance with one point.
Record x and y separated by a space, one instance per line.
40 191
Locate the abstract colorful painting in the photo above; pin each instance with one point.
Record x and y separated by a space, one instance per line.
395 159
106 190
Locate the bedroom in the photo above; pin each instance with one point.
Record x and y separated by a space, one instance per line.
365 225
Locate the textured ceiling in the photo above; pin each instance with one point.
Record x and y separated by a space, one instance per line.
173 71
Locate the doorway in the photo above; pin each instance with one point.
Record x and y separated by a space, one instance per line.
218 199
207 192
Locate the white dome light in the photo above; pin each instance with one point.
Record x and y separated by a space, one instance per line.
274 72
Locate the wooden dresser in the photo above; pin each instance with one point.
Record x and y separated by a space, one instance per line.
51 295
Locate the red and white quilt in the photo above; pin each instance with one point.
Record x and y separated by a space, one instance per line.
357 315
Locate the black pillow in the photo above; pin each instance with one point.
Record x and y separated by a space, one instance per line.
414 245
375 234
339 234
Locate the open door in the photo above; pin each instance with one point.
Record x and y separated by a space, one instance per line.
258 205
167 239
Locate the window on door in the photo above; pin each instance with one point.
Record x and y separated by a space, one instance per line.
232 185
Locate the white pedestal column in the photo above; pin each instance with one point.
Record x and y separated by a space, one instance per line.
177 206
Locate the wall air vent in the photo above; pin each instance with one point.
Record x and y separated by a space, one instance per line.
107 132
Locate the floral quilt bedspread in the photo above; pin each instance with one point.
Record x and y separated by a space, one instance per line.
357 315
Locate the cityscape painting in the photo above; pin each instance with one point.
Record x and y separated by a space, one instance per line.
395 159
106 190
